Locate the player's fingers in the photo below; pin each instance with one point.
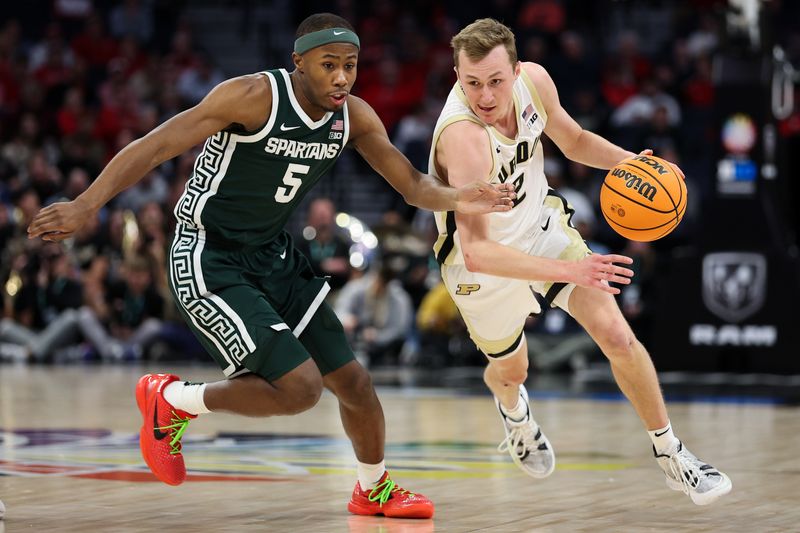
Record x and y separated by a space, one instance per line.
605 287
47 214
35 228
622 271
646 151
41 226
56 236
619 279
679 172
506 190
614 258
502 207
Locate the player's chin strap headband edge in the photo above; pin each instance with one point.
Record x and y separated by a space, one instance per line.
327 36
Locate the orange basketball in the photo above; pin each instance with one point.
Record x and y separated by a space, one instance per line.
643 198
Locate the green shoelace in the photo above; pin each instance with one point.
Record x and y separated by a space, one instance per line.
178 427
383 491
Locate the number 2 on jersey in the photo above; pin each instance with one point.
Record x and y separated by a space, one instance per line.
291 184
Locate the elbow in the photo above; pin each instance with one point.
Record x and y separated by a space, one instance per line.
410 198
471 261
570 150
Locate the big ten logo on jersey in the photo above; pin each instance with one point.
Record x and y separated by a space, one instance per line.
522 155
529 116
465 289
336 130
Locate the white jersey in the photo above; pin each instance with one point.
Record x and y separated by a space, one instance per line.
519 161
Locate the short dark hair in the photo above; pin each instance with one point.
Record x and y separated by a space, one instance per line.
321 21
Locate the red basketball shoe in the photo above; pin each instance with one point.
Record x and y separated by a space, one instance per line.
389 500
162 429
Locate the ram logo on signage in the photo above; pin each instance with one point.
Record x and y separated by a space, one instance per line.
734 284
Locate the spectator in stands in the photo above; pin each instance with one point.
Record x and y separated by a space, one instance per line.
640 108
52 45
132 320
72 111
376 314
443 335
405 252
27 137
324 246
132 18
94 45
557 342
153 188
45 306
390 95
413 135
196 82
574 69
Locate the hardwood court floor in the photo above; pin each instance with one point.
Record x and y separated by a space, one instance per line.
69 461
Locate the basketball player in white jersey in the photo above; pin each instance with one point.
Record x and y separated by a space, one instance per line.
492 264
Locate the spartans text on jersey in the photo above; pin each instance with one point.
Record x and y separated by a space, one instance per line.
301 150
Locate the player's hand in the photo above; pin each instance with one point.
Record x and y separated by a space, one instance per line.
597 271
480 197
58 221
678 170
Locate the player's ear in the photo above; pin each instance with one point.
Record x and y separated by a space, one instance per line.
297 59
517 69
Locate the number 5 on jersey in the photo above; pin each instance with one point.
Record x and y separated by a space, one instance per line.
291 184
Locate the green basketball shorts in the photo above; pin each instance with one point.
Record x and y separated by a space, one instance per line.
258 310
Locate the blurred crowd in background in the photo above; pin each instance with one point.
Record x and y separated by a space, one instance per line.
79 80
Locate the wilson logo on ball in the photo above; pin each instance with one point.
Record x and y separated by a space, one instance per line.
632 181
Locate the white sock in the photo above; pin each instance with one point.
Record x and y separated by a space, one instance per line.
664 439
186 397
518 413
369 475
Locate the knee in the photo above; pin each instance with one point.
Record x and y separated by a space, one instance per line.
618 343
513 374
302 393
293 393
350 384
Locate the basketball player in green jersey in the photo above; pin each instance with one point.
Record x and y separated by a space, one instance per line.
246 292
491 124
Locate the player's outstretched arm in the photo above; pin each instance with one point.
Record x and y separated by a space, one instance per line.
422 190
234 101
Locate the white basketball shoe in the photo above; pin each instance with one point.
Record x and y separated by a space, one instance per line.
525 442
685 472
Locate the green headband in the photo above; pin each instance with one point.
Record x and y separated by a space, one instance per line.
327 36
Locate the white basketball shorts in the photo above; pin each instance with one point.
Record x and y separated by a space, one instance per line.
495 308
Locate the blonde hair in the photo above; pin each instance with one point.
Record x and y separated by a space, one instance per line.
481 37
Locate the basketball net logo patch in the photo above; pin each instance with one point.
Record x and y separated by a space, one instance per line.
734 284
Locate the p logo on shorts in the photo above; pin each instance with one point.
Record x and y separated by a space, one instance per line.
465 289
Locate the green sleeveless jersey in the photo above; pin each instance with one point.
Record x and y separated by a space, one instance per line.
244 186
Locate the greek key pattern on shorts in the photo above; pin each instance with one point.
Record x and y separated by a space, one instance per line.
205 313
207 166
